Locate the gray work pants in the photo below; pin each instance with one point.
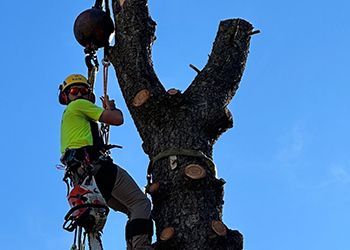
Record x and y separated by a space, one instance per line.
121 192
128 198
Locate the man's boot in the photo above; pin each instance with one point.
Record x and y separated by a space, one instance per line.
138 234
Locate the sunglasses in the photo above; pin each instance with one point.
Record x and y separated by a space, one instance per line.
75 90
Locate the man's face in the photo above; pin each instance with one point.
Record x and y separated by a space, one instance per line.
78 92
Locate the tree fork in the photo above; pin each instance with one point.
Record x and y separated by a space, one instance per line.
186 194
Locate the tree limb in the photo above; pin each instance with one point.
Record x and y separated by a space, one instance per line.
131 54
217 83
132 59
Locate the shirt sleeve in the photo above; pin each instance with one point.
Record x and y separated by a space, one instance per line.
87 108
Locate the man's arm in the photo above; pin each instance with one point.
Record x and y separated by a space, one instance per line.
112 117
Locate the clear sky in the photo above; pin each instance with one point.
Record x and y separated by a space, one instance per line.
286 161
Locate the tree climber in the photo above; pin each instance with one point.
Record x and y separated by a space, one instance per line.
81 140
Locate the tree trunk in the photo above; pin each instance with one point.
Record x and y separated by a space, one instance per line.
179 129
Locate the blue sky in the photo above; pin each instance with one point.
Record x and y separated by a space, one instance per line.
286 161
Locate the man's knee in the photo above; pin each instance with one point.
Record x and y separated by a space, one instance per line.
141 209
138 234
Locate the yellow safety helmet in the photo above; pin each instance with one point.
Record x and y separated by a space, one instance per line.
74 79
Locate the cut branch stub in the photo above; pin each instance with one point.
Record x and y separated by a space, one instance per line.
121 2
195 68
219 228
253 32
141 97
153 188
173 91
167 233
195 171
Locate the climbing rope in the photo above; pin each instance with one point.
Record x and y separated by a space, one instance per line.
105 127
92 64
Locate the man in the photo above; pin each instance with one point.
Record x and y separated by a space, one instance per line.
81 140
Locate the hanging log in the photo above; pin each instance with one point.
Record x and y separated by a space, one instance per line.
93 27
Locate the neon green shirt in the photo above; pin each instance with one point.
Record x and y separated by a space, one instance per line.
75 125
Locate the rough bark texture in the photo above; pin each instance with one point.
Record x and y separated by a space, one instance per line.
192 120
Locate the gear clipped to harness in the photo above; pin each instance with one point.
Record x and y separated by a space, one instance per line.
88 208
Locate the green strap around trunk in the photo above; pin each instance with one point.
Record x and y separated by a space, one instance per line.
182 152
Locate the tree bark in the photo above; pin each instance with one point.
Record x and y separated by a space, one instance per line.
179 129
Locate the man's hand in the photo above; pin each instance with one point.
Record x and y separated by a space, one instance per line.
111 115
108 104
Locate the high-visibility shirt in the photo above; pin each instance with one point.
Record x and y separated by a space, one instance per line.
75 124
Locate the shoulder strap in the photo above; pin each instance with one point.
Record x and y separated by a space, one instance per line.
96 135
